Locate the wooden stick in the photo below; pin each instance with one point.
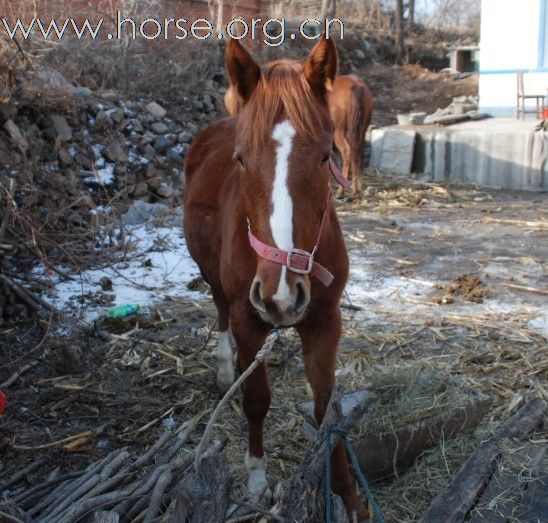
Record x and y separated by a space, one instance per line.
18 476
536 290
17 374
260 356
161 486
7 517
25 497
31 299
57 443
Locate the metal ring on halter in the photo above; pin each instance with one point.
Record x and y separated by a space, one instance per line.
300 252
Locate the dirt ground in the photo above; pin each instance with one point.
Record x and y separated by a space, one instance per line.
408 243
412 88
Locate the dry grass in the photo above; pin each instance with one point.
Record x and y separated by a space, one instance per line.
406 395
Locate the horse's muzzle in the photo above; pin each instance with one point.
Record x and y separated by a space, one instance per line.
286 306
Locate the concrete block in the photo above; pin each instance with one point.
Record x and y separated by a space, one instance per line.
392 149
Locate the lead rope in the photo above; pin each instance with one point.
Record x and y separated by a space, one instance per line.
270 343
329 516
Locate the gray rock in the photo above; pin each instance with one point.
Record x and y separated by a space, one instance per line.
111 95
159 127
145 118
162 144
7 112
156 110
84 92
137 126
115 152
155 182
165 190
116 115
149 151
65 158
184 137
120 169
177 153
61 127
84 160
102 121
140 189
16 135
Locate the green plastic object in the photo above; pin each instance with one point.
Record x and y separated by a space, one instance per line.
121 311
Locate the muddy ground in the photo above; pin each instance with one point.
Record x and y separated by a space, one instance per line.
408 243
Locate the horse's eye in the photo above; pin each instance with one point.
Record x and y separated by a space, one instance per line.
239 160
325 159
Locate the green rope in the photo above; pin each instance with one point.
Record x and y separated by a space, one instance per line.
329 518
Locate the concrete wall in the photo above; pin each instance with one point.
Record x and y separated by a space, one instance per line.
512 38
498 153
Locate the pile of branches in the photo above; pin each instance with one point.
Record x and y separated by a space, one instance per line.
168 484
133 488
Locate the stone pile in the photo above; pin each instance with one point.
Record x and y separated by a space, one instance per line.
61 165
461 108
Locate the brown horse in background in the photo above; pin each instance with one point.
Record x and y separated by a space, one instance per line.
351 107
261 224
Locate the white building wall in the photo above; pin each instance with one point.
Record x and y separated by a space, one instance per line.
511 36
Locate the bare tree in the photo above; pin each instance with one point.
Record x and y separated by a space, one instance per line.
453 13
399 30
129 10
411 14
216 13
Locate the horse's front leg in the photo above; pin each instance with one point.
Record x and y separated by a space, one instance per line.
250 335
320 340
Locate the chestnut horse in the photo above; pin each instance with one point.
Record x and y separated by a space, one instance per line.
351 106
261 224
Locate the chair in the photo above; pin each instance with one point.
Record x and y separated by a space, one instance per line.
522 97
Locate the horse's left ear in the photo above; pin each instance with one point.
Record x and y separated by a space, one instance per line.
320 67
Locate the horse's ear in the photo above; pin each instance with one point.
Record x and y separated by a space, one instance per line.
243 71
320 67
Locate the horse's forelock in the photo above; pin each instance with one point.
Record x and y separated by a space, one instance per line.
282 88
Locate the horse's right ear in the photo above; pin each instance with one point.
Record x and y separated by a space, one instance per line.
243 71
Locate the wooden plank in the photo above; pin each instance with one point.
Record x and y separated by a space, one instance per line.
504 493
534 503
389 453
453 505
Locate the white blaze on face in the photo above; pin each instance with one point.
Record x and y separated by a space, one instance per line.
281 220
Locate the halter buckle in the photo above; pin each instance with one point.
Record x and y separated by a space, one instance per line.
304 254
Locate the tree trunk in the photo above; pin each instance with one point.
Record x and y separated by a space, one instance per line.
399 31
411 17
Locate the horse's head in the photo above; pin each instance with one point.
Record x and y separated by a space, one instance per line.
283 140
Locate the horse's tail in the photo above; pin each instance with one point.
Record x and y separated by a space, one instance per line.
358 120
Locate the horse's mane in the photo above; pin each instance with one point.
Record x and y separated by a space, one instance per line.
282 88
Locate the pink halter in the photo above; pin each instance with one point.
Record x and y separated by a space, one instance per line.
297 260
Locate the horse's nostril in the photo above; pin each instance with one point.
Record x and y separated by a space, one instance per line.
302 298
255 296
